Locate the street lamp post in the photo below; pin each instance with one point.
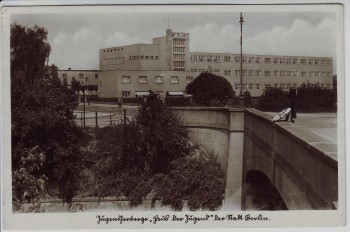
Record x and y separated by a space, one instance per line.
241 42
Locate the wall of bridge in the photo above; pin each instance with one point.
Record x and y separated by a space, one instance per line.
302 166
219 130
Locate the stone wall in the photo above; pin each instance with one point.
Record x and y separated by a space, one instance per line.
302 166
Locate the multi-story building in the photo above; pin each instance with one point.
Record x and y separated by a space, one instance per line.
167 65
85 77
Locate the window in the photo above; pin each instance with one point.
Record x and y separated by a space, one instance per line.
257 86
244 72
200 58
283 73
189 79
267 60
258 73
227 58
288 73
156 57
267 73
245 60
151 57
282 60
294 61
227 72
276 73
257 60
236 85
159 80
141 57
288 61
244 86
251 60
174 80
251 86
142 79
311 61
283 86
288 86
100 83
317 61
275 85
194 58
276 60
237 59
126 93
238 73
146 57
81 75
311 74
209 58
126 80
64 75
267 86
180 42
328 74
303 74
317 74
216 58
179 64
294 73
303 61
250 73
179 50
323 74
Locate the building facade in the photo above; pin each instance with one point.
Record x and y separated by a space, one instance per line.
168 65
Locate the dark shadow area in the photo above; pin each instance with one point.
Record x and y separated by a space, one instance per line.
261 194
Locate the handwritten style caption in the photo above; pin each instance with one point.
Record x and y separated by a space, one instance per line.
187 218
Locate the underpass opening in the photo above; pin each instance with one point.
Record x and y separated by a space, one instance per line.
260 194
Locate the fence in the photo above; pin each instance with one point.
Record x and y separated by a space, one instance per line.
105 118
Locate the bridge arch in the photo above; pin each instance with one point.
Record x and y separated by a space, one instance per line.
260 193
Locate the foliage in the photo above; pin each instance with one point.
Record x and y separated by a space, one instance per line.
209 88
42 111
197 178
247 99
27 180
310 98
273 99
153 157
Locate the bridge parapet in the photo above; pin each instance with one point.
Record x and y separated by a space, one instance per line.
301 165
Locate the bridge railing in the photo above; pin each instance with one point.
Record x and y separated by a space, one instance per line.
301 165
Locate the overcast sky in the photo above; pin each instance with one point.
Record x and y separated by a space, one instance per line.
76 38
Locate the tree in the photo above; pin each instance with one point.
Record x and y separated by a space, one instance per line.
208 89
154 157
273 99
42 111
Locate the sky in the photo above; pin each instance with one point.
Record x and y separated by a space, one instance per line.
76 38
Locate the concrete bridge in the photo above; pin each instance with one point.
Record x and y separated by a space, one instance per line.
303 167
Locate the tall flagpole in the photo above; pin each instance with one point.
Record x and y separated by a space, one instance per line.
241 71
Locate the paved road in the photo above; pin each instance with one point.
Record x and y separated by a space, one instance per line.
321 124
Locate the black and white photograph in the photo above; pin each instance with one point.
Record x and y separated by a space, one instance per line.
172 116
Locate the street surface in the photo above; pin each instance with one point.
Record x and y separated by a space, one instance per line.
321 124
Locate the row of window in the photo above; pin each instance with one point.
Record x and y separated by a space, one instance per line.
178 50
179 42
157 79
206 58
143 57
283 86
279 73
81 76
179 64
112 61
180 57
258 60
113 50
